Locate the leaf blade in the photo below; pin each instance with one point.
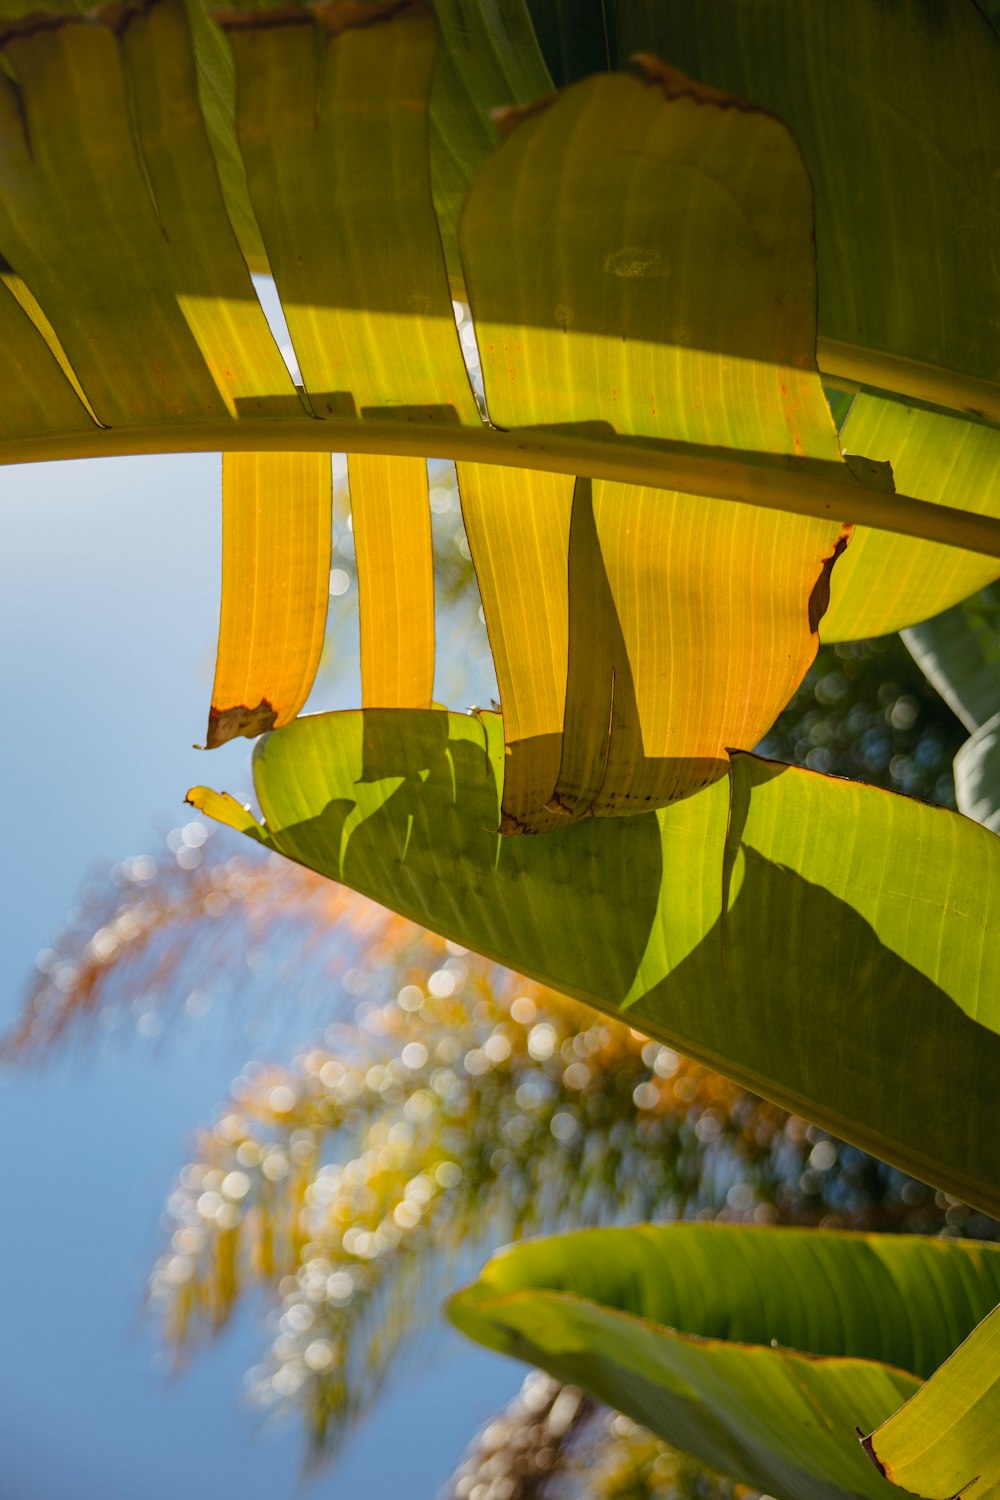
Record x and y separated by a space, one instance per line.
943 1441
876 96
754 1349
276 543
107 169
885 582
828 945
333 128
392 535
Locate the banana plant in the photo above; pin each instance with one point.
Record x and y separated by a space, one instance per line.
669 263
640 263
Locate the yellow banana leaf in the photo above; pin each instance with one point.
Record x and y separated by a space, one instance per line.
638 636
115 227
944 1440
676 627
276 531
112 216
885 582
392 536
333 127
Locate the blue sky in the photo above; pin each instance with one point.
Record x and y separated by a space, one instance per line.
109 581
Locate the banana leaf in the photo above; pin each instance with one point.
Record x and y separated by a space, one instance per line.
894 110
944 1440
829 945
885 582
761 1351
276 528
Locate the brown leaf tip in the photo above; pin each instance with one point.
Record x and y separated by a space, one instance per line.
677 85
866 1443
348 15
229 723
507 117
262 20
332 15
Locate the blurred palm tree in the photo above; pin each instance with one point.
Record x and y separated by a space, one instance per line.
553 1443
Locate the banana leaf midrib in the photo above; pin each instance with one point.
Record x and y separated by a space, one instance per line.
967 395
798 486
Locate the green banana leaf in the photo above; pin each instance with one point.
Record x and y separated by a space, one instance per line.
761 1351
959 652
977 775
829 945
944 1440
894 109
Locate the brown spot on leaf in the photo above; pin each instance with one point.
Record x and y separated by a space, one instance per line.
229 723
819 599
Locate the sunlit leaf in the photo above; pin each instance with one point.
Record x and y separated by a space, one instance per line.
944 1440
43 393
757 1350
622 302
828 945
333 127
518 525
392 533
638 257
276 527
117 235
884 582
638 635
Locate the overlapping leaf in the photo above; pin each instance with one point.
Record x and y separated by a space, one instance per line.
944 1440
333 128
489 59
760 1351
829 945
638 636
885 582
622 302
